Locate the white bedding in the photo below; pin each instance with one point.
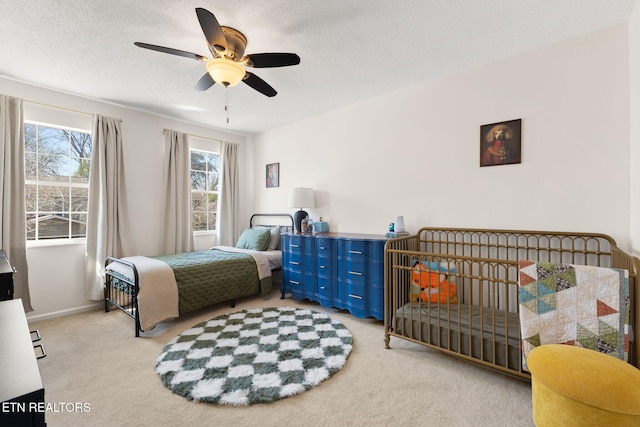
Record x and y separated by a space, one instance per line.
275 259
265 260
158 294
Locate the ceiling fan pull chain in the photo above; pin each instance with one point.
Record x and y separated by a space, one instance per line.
226 102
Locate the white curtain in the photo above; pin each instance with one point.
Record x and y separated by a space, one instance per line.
177 230
107 222
13 234
229 195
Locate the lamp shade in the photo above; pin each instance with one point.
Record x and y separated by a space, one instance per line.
225 71
301 198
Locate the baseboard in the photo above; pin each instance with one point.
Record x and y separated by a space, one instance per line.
67 312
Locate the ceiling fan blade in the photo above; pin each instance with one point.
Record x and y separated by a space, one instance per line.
258 84
211 28
204 83
267 60
171 51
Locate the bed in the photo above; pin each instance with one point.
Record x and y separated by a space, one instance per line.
458 289
154 289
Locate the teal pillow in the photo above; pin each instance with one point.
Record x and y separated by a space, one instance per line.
274 240
256 239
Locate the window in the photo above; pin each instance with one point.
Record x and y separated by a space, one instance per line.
57 162
205 167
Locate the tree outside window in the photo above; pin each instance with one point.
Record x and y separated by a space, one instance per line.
57 164
205 167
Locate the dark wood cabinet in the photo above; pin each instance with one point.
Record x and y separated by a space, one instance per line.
6 278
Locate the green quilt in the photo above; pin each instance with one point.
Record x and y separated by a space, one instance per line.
212 276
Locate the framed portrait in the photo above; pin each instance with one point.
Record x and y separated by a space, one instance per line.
500 143
273 175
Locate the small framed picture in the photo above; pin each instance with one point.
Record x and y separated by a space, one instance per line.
500 143
273 175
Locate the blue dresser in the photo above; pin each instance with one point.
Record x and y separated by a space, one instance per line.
339 270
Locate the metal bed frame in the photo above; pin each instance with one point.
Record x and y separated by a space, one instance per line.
122 293
486 276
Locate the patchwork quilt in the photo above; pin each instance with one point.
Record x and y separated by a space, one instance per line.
577 305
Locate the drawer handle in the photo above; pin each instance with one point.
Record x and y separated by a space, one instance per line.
355 296
356 252
294 263
37 335
322 266
355 273
295 246
323 288
293 282
43 353
322 248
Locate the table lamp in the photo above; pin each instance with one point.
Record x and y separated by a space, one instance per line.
300 198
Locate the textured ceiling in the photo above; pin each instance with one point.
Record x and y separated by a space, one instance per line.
350 50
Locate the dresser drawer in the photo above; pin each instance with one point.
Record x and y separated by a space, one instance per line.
292 261
366 300
354 295
375 252
294 279
326 287
361 250
326 248
293 244
326 267
353 271
361 273
352 249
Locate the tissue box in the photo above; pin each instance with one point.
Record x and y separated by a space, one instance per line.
321 227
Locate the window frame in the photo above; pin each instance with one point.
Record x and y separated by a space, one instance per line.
58 241
206 192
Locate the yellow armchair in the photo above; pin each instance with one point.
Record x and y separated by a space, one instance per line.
574 386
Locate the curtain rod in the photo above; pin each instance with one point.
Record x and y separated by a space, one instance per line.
164 132
61 108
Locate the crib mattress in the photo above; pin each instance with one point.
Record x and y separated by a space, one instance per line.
479 332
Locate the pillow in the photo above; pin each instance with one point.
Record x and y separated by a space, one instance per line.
429 283
274 241
256 239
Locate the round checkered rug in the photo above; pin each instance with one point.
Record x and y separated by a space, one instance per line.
254 356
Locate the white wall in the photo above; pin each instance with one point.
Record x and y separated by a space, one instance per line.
634 136
415 152
56 272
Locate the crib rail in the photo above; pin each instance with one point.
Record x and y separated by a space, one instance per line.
541 246
482 325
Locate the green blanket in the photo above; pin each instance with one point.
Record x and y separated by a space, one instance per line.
212 276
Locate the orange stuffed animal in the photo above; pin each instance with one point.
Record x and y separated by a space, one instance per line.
431 284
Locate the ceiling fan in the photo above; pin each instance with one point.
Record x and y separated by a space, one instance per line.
227 46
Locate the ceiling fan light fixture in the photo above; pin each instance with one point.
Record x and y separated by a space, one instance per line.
225 71
227 46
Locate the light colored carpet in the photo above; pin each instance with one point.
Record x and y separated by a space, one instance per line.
94 359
